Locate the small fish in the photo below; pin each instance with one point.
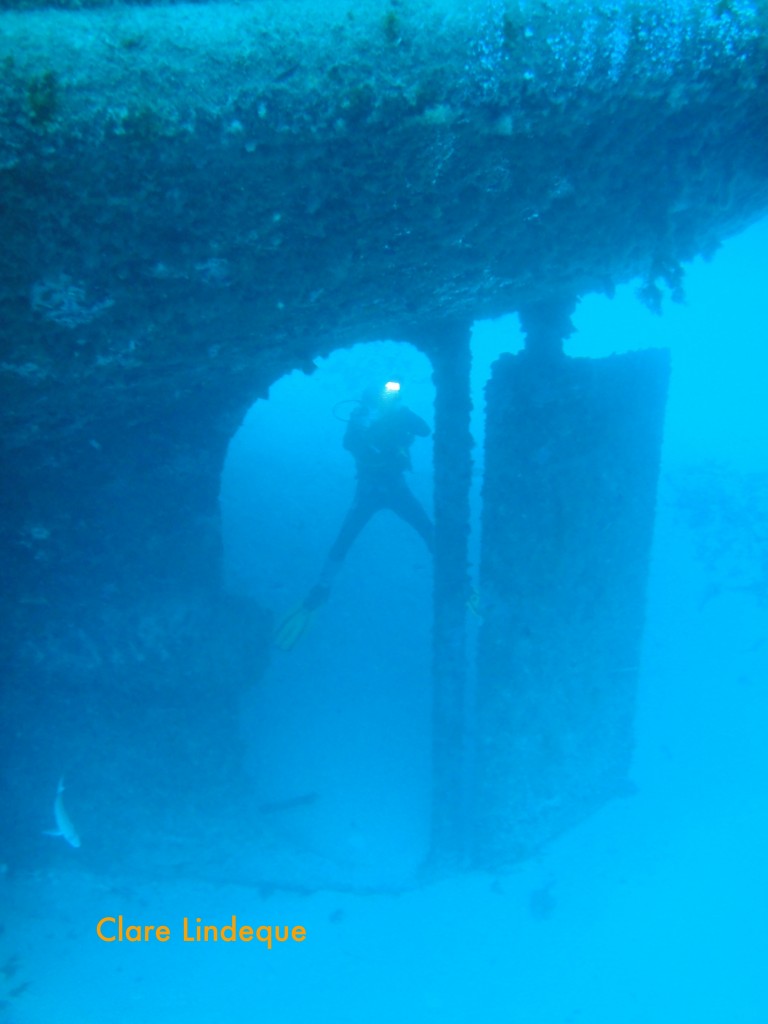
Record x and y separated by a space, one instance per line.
542 902
289 72
64 826
278 806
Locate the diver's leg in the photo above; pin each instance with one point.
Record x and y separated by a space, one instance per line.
404 504
364 505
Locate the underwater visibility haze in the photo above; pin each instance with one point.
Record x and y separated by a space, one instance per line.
384 503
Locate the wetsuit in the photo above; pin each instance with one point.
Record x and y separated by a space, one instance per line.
380 441
380 444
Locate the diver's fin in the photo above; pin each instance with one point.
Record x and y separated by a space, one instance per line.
293 627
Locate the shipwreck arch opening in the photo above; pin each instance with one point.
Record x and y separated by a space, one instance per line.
362 671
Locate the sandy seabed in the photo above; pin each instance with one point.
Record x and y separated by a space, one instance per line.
653 911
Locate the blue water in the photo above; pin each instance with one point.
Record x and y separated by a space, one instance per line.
653 911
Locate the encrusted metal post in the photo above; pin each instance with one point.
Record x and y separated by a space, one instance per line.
448 347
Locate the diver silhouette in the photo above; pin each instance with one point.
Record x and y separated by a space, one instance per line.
379 436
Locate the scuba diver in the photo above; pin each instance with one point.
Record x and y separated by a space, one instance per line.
379 435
